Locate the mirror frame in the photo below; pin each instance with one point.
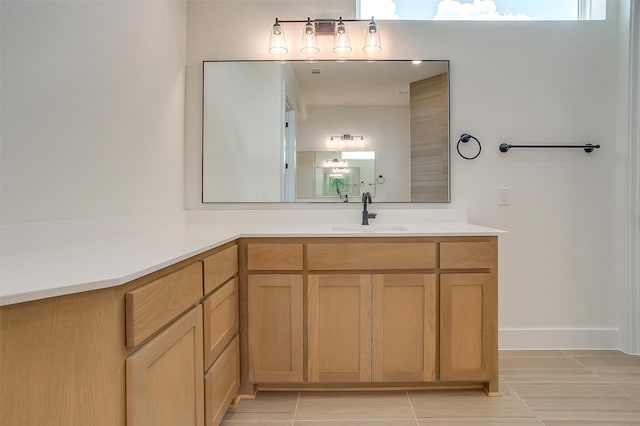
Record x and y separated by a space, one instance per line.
449 162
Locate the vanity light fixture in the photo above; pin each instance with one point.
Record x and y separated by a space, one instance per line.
277 42
347 138
336 163
326 26
310 47
372 45
341 40
341 170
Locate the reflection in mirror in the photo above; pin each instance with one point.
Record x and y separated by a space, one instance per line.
331 176
271 131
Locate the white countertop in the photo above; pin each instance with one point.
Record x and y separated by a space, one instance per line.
108 261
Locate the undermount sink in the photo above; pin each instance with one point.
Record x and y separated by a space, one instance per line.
369 228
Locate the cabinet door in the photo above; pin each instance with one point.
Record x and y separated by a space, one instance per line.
220 320
468 327
404 328
339 325
164 377
275 328
221 383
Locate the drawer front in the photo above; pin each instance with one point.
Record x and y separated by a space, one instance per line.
274 257
221 383
371 256
219 267
150 307
220 320
468 254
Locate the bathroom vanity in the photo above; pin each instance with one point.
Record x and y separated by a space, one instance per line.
225 310
363 312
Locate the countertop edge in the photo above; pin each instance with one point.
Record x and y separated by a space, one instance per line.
123 276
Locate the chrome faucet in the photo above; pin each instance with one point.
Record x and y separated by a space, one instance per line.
366 197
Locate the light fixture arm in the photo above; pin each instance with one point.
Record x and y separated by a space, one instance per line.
323 26
315 20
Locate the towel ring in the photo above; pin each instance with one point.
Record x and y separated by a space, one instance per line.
464 138
380 179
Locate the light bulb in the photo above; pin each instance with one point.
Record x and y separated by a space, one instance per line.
309 43
341 40
277 42
372 45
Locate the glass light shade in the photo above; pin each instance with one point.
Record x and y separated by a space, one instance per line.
372 45
277 42
341 40
309 40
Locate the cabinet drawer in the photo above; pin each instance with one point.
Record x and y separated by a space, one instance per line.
468 254
371 256
221 383
153 305
219 267
220 320
274 257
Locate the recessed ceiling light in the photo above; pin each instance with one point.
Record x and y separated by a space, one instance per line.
416 62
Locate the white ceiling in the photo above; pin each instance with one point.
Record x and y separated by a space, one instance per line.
361 83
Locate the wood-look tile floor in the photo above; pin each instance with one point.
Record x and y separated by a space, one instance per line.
553 388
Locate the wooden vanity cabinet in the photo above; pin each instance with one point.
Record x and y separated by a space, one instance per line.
469 312
158 392
275 299
386 320
221 333
127 355
187 373
414 310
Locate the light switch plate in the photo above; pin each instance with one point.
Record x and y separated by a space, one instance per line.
504 196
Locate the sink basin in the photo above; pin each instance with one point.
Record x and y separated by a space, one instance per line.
369 228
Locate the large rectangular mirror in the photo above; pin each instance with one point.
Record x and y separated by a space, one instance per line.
325 131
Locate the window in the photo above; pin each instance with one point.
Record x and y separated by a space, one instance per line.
483 10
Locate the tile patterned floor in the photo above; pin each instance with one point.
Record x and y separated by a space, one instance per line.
552 388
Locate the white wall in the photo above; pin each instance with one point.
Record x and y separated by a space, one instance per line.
517 82
237 116
92 108
629 297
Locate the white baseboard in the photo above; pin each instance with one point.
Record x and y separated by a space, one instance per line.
558 338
